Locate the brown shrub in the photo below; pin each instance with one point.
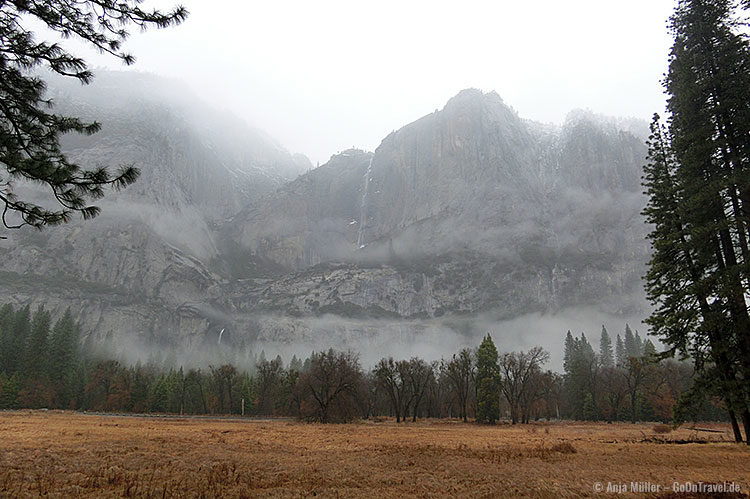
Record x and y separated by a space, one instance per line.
662 428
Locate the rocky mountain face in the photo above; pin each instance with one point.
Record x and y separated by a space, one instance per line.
147 267
470 212
468 209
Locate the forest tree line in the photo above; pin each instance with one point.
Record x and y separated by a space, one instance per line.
43 365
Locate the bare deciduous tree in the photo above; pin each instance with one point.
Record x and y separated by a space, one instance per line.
459 372
331 386
388 374
518 371
420 375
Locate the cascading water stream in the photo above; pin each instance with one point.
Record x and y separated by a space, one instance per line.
363 205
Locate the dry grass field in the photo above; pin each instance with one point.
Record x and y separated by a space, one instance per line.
69 455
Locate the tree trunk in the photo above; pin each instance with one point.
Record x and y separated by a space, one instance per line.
203 398
735 426
231 400
746 424
416 407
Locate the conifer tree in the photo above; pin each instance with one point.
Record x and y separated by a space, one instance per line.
589 408
570 346
606 356
682 309
63 358
29 132
10 388
587 351
649 349
38 345
6 326
17 340
638 344
620 355
488 382
580 374
698 182
631 345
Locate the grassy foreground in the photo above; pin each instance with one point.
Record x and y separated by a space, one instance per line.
66 454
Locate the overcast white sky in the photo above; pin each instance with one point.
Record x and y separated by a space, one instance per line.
326 75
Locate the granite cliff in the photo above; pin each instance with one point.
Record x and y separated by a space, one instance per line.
468 216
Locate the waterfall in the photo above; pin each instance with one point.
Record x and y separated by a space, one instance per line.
363 205
220 333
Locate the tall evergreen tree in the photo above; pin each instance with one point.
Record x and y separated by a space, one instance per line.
649 349
9 394
639 344
37 350
17 341
580 375
682 310
6 326
570 346
606 356
488 382
620 355
586 349
63 358
631 345
698 182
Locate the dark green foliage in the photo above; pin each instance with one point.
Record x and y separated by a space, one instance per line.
9 388
295 364
695 403
37 351
606 355
159 396
570 347
330 386
632 343
589 411
18 336
488 382
29 132
6 316
63 345
581 368
698 183
225 382
620 351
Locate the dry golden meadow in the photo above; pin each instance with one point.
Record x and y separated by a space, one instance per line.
61 454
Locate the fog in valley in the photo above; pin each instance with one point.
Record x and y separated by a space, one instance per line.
319 186
503 246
